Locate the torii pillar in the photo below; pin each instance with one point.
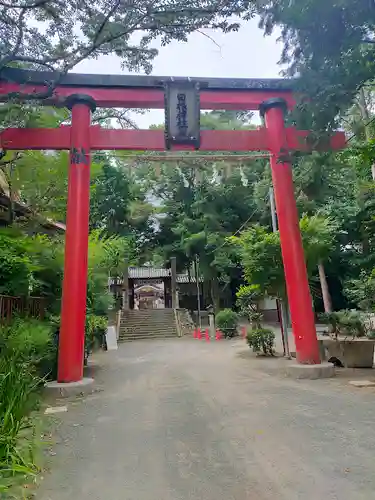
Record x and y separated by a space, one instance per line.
298 290
73 309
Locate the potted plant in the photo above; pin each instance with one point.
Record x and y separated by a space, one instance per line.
351 339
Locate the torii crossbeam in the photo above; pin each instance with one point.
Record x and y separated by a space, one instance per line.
82 94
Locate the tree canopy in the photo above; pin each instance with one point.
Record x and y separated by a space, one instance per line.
58 34
329 47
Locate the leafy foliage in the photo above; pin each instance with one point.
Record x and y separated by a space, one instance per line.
346 323
31 265
58 34
96 327
227 321
261 259
27 340
15 264
248 297
42 182
260 252
329 46
200 204
107 257
261 340
23 347
361 290
118 205
317 237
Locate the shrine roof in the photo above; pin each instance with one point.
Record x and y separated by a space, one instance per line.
148 272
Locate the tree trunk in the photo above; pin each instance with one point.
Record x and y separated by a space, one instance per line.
327 301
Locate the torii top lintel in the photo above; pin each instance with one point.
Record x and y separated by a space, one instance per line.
138 91
130 91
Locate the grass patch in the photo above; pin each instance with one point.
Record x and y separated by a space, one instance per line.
22 347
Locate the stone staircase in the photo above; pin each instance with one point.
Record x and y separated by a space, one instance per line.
147 324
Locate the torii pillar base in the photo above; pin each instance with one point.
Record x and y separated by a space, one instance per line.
65 390
311 372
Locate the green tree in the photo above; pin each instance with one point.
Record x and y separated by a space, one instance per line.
118 206
196 217
15 264
260 253
107 256
318 237
39 179
329 46
31 265
44 33
226 120
260 256
248 297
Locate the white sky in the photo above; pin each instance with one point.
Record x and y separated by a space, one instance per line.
245 54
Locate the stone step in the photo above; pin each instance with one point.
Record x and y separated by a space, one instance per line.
153 313
147 324
161 321
148 337
156 334
143 316
147 328
140 320
131 323
150 328
143 320
148 332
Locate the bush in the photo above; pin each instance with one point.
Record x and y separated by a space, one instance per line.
346 322
262 341
15 264
96 327
27 341
227 321
24 345
17 389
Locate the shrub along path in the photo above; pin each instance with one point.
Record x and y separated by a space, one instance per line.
182 419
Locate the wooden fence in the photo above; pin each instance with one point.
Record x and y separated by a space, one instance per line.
11 307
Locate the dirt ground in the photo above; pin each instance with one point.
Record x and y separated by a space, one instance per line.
187 420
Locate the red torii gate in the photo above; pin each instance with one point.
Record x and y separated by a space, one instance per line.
82 94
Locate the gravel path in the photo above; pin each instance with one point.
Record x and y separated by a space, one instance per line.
185 420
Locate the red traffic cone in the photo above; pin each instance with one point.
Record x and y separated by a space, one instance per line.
244 332
218 335
207 336
199 334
